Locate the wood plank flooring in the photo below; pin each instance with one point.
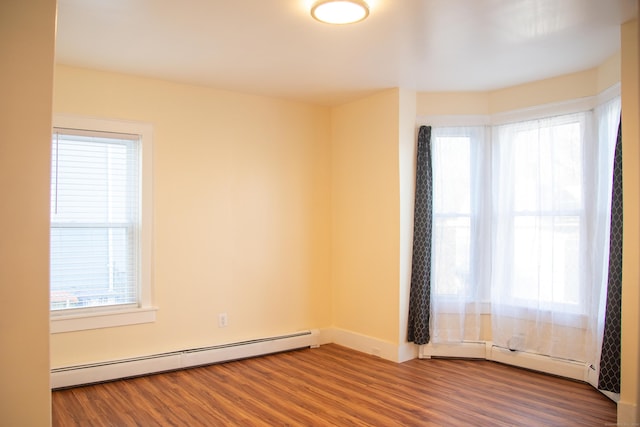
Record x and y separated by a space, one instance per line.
336 386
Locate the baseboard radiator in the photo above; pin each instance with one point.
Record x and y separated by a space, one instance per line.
551 365
487 350
125 368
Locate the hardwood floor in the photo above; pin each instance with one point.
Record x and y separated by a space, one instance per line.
336 386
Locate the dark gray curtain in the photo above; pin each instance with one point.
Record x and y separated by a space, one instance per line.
420 296
609 378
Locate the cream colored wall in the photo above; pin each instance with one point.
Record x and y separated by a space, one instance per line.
241 213
629 405
608 73
452 103
557 89
542 92
365 216
407 180
27 41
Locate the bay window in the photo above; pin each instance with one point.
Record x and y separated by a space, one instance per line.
520 220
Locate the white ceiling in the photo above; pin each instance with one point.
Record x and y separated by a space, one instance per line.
275 48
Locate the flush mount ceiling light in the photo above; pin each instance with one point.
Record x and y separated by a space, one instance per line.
340 11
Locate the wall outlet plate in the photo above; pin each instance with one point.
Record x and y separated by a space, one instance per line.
223 321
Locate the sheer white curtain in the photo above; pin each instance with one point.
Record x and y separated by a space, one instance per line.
461 240
521 230
551 185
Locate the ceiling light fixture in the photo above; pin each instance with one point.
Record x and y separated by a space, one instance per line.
340 11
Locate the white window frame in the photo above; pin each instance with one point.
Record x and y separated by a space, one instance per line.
145 312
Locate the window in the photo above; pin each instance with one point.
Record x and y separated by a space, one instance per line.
459 275
520 227
459 174
452 215
100 261
95 207
513 213
533 206
539 199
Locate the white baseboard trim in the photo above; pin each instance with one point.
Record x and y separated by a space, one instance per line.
70 376
106 371
407 351
370 345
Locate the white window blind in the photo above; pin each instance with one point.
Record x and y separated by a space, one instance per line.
95 220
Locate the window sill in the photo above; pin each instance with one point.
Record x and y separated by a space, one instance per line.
104 319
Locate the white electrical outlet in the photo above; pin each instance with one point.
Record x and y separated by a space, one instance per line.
223 321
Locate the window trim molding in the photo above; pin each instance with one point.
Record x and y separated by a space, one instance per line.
112 316
102 319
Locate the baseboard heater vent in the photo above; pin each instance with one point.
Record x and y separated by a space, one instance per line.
71 376
487 350
562 367
466 350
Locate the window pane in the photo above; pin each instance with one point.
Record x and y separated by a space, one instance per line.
451 271
94 221
92 181
452 215
547 196
452 171
547 168
91 267
546 259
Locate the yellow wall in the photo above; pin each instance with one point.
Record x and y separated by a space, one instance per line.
27 42
629 405
244 221
608 73
557 89
365 216
241 213
454 103
406 182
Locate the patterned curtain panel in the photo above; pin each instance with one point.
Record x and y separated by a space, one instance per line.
420 296
609 378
